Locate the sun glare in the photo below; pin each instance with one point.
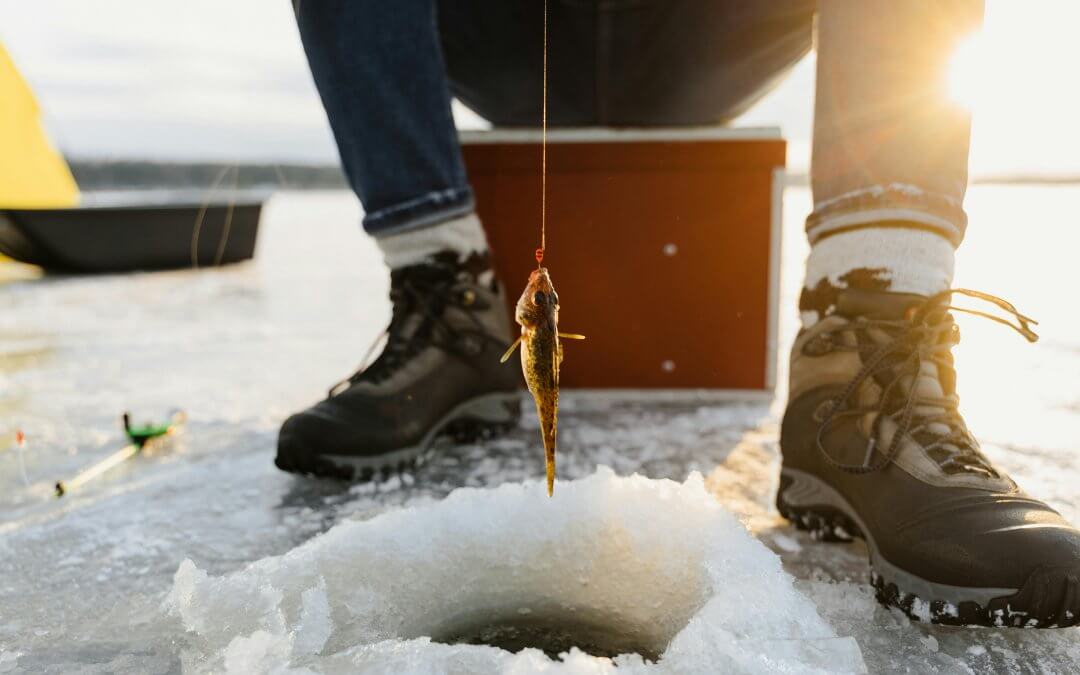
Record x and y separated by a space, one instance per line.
966 78
1017 76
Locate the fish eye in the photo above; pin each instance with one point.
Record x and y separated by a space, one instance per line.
539 298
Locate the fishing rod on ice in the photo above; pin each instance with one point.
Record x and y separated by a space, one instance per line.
138 438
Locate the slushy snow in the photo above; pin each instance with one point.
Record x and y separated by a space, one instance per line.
657 565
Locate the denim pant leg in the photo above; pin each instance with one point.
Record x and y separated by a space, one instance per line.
889 145
379 69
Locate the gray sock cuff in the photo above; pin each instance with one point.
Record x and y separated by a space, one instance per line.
897 202
464 235
896 259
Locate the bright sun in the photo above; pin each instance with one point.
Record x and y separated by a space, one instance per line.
968 77
1018 76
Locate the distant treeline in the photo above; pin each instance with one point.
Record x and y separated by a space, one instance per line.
141 175
803 180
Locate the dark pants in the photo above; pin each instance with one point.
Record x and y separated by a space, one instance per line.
888 144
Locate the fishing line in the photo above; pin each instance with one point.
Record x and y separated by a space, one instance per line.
227 227
543 148
196 230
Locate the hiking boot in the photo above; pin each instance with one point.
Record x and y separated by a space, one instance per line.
873 447
438 374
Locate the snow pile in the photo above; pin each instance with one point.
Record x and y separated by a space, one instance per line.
629 564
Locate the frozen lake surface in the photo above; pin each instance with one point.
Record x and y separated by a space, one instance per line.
87 583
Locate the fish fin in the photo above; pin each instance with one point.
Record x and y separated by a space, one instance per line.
572 336
510 352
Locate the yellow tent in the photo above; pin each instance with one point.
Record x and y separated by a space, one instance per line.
32 174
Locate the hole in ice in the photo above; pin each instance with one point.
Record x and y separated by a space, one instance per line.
506 580
553 635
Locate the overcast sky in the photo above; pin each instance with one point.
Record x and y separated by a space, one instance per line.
227 80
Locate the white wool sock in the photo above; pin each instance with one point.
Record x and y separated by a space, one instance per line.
897 259
464 235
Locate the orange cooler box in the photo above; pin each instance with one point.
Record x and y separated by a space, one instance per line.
663 245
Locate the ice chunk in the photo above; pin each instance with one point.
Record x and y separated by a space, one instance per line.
260 652
245 603
315 623
609 564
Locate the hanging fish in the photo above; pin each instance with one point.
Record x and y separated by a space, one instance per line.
541 355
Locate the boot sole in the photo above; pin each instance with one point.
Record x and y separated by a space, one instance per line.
1050 598
473 420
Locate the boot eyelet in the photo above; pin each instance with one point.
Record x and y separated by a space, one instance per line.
818 346
822 411
468 297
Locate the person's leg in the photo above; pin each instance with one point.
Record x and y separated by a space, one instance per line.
380 72
872 440
890 150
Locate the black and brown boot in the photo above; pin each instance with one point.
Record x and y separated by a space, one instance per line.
438 374
874 448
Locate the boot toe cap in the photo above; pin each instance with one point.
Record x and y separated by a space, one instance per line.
306 437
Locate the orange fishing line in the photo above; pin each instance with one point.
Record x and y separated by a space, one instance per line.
543 149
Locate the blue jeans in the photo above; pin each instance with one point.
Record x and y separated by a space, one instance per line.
888 145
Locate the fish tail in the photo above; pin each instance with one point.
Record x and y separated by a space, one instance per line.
548 409
549 455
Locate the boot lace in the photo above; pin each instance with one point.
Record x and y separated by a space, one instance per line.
926 334
420 296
